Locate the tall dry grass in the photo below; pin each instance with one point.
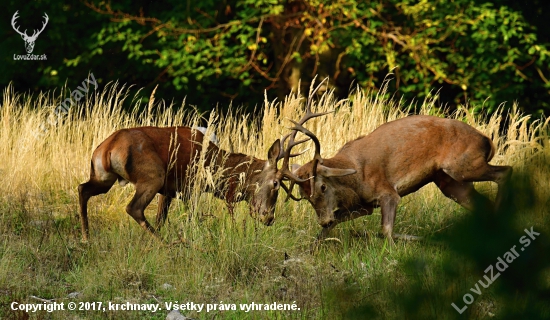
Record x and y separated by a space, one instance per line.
36 161
239 261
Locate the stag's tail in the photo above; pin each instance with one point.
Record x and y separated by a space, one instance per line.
101 167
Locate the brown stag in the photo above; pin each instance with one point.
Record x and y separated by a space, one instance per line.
157 160
396 159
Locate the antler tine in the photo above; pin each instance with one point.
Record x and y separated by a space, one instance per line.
282 149
288 191
291 143
312 136
316 158
292 155
285 169
309 115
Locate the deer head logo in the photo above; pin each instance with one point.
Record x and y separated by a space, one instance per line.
29 41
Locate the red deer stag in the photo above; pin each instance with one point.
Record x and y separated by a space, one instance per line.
142 156
396 159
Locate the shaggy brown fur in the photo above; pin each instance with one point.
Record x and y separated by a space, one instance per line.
157 160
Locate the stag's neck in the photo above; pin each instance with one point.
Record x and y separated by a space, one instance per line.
238 171
238 163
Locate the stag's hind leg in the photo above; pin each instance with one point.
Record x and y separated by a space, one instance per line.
85 192
145 193
162 213
462 193
501 175
483 171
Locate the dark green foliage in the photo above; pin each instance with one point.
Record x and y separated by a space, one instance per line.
469 51
474 243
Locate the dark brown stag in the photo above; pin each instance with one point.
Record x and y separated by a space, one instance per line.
157 160
396 159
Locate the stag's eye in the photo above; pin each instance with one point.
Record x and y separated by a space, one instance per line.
323 188
275 183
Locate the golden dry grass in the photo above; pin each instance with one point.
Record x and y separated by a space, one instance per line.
41 253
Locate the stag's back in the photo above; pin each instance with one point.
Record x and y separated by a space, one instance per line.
129 152
409 151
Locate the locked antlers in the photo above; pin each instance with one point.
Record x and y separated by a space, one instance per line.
316 158
286 155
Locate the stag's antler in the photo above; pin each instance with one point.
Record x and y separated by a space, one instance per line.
286 155
316 158
285 170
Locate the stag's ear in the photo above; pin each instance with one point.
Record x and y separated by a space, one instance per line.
295 167
273 153
334 172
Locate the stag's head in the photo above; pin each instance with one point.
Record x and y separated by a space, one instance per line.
329 194
29 40
263 187
267 181
324 183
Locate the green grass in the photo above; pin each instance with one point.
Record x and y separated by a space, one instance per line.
354 274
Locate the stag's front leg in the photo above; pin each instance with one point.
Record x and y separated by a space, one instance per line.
388 206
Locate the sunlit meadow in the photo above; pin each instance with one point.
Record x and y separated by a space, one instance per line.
238 260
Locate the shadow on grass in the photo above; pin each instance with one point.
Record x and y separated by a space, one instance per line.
491 266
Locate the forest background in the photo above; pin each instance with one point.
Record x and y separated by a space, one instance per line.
215 53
